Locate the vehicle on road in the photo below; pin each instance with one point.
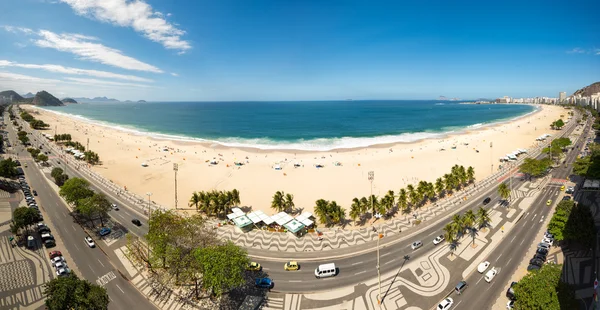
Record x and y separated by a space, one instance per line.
483 266
291 266
549 202
264 283
562 188
253 266
549 241
533 267
34 192
114 207
570 190
325 270
54 254
460 287
536 261
489 276
56 260
60 264
510 292
445 304
90 242
439 239
104 231
487 200
415 245
547 234
136 222
566 198
544 246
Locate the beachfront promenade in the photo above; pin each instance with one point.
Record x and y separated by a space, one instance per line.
260 242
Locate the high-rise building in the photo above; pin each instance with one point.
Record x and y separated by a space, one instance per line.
562 96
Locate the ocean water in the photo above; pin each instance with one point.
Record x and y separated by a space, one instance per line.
314 125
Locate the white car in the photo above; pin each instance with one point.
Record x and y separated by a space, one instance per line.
438 239
63 271
483 266
90 242
56 260
510 304
60 265
445 304
417 244
114 207
490 275
549 241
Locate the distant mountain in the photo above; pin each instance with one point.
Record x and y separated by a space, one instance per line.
141 101
127 101
68 100
96 99
44 98
8 93
28 95
588 90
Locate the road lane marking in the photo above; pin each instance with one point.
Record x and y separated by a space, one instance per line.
76 246
526 215
513 239
388 253
119 288
360 272
356 263
265 268
522 241
458 304
296 281
100 263
74 228
478 281
533 217
508 261
103 280
388 262
499 257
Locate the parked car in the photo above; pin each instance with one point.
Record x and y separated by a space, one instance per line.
104 231
90 242
54 254
540 256
136 222
549 241
439 239
566 198
510 292
59 259
533 267
415 245
536 261
483 266
544 246
489 276
264 283
510 304
254 266
49 243
34 192
445 304
63 271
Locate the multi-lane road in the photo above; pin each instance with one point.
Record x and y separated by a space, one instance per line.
91 262
354 269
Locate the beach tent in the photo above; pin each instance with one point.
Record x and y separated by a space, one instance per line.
296 165
243 223
295 228
277 167
257 217
319 166
304 218
213 162
144 165
281 218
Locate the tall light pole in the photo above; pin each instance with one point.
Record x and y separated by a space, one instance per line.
148 245
492 157
371 178
175 169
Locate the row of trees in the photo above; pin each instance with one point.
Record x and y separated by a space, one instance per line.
70 292
535 167
22 136
557 124
329 212
282 201
34 123
411 196
62 137
38 155
573 222
470 222
91 205
24 218
215 202
8 168
59 176
184 253
76 145
556 148
91 157
544 289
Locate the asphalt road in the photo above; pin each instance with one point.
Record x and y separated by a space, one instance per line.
91 262
354 269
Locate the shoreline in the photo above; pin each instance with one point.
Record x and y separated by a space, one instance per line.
157 136
395 165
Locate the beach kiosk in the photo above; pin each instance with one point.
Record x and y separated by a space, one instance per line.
295 228
240 220
259 218
281 219
306 219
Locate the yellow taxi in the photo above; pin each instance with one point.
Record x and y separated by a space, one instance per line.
289 266
254 266
562 188
549 202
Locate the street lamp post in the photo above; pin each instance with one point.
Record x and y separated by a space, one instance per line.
175 169
149 212
371 178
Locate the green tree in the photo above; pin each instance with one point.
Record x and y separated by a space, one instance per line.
439 187
321 211
289 202
483 218
61 179
195 200
223 267
543 289
450 235
402 199
24 217
43 158
70 292
96 205
459 223
278 201
503 191
355 209
75 189
8 168
56 172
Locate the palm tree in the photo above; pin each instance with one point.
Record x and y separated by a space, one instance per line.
195 200
278 202
469 222
392 198
471 174
457 221
355 209
483 218
439 187
422 190
289 202
414 199
450 237
321 211
402 199
235 197
503 191
336 212
464 178
373 204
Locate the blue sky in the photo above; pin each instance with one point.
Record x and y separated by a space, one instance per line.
298 50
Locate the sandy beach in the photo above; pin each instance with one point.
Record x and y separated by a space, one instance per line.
395 166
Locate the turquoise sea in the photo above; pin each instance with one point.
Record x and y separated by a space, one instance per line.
314 125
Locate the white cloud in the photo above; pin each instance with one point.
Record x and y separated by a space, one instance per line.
135 14
76 44
174 74
74 71
103 82
17 30
9 76
576 50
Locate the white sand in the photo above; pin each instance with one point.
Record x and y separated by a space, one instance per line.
395 166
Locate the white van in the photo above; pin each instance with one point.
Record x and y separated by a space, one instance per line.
325 271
